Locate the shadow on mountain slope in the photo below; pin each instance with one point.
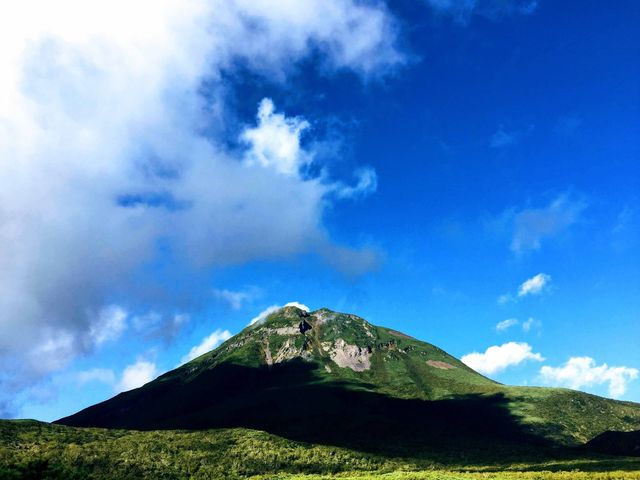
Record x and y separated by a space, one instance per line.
616 443
287 400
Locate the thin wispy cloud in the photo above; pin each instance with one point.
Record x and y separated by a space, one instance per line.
531 324
154 325
505 325
625 233
366 183
531 226
534 285
102 375
463 10
527 326
504 138
108 325
236 299
505 298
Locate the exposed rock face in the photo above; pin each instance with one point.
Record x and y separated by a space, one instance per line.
267 353
287 351
440 365
285 331
350 356
343 354
324 316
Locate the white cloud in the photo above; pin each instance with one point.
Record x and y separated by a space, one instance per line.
532 225
505 298
498 357
136 375
235 299
580 372
208 343
367 183
154 325
463 10
526 326
534 285
108 325
53 353
502 138
103 375
113 146
264 314
299 305
133 376
506 324
275 141
625 233
530 324
274 308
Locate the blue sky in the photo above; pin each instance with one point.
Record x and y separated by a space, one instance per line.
466 172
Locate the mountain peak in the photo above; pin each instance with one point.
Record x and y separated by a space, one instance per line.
343 347
290 333
295 370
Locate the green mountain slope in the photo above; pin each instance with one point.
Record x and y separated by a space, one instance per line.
333 378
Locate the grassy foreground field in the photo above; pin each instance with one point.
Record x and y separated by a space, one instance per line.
450 475
30 449
454 475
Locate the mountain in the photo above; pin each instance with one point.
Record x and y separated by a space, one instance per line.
333 378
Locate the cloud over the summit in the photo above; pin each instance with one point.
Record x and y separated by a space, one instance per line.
108 147
274 308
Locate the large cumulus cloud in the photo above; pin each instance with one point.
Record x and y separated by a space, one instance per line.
109 148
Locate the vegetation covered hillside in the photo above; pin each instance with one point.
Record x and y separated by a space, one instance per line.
335 379
35 450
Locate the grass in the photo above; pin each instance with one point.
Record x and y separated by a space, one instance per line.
30 449
449 475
